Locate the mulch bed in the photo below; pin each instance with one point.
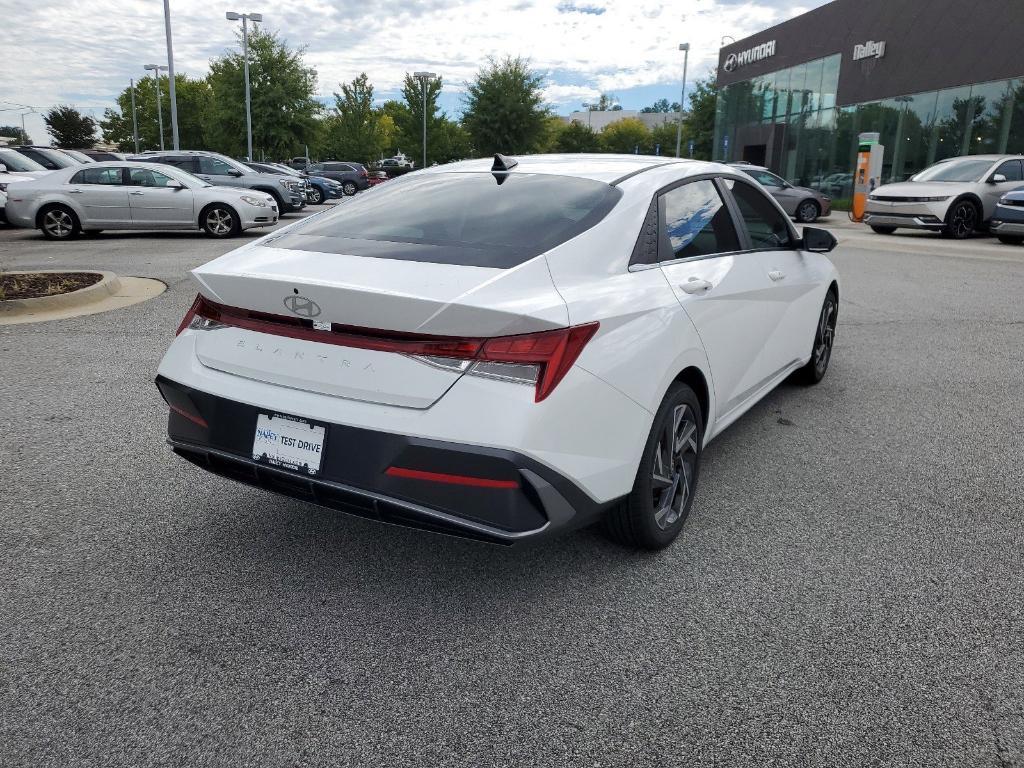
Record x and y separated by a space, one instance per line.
36 284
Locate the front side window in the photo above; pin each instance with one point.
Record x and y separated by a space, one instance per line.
1012 170
766 178
767 226
15 161
97 176
144 177
469 219
213 166
696 222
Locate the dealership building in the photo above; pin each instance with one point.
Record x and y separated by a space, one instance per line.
934 78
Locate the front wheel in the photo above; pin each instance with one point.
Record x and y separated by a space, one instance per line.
653 514
824 338
349 188
961 221
315 196
60 223
1010 239
879 230
220 221
807 212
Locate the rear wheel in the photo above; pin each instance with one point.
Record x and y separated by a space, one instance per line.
315 196
349 188
653 514
1010 239
824 338
883 230
961 221
59 222
807 212
219 220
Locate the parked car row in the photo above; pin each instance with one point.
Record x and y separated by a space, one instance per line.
957 197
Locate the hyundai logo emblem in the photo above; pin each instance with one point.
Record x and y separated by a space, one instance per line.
730 62
302 306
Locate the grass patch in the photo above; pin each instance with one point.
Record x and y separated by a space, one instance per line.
37 284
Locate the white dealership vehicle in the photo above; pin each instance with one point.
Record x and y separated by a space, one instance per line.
129 195
502 351
956 197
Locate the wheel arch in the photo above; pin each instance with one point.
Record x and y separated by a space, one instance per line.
51 203
694 378
272 192
972 198
208 206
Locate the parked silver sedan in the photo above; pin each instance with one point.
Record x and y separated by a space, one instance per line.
804 204
128 195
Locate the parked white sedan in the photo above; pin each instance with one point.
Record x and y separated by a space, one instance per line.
502 351
126 195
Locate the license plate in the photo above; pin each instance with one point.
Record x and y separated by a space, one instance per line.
288 441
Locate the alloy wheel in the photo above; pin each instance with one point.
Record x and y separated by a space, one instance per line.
825 336
808 212
674 470
964 220
58 223
350 188
219 221
316 196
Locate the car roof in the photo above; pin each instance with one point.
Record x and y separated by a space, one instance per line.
606 168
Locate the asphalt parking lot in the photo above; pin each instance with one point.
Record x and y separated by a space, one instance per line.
847 591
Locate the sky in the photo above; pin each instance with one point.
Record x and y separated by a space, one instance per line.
83 52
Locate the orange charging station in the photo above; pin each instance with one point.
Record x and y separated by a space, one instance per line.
869 172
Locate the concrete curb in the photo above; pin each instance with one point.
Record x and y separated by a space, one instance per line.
109 285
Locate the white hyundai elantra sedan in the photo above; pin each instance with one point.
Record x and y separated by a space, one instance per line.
505 350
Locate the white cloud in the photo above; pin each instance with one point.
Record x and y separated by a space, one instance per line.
84 53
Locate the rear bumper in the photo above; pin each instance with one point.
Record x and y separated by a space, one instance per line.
532 501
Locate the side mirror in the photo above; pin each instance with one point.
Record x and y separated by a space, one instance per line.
997 178
818 240
3 168
174 184
234 173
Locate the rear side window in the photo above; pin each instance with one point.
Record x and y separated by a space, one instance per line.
468 219
97 176
696 222
768 227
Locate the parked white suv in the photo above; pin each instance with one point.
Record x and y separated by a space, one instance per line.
956 197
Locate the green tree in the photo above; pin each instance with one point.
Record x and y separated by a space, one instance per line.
284 107
663 139
354 130
70 128
661 105
15 132
577 137
393 115
453 144
606 102
699 123
410 123
193 97
626 136
504 108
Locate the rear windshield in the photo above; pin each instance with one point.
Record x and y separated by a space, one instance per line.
467 219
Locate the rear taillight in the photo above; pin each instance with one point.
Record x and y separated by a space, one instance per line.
363 173
539 359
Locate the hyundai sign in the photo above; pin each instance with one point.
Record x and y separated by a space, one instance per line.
758 53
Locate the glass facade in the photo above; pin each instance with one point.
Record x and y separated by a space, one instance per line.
788 121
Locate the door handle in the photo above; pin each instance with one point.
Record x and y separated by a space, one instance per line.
696 285
74 191
776 275
136 193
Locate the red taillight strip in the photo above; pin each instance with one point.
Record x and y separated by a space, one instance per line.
442 477
194 418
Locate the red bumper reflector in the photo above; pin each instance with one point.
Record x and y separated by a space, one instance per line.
194 418
441 477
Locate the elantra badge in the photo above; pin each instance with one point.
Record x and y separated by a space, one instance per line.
302 306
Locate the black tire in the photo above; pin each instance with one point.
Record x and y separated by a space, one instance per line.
219 220
58 222
882 230
824 338
962 220
349 188
1010 239
653 514
808 212
316 196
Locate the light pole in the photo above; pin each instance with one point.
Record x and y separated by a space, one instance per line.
135 119
159 109
685 48
423 77
245 17
170 75
24 133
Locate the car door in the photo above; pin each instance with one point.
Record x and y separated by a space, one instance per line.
154 204
101 197
796 282
992 190
218 173
721 286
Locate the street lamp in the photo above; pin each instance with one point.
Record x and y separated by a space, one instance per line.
246 17
685 48
135 118
423 77
170 75
155 69
730 38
